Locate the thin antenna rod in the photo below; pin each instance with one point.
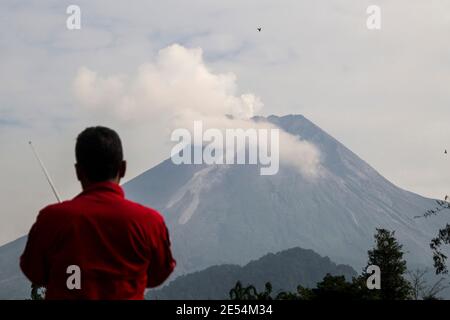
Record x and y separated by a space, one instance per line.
45 172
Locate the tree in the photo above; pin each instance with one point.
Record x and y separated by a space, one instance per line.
388 256
302 293
418 283
250 293
336 288
439 257
421 290
239 292
443 237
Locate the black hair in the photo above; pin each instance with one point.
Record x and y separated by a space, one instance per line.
98 152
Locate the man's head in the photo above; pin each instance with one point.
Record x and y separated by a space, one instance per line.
99 156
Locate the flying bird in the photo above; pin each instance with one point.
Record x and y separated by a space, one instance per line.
445 152
259 29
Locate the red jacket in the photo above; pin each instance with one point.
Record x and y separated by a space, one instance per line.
120 246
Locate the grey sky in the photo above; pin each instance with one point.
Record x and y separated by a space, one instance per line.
384 94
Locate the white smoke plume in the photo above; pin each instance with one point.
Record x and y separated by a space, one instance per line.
177 89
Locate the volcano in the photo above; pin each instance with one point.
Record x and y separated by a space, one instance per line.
219 214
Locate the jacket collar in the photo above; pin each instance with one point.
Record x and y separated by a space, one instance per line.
105 186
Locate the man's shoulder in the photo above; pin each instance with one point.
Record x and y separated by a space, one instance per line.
144 211
137 210
55 208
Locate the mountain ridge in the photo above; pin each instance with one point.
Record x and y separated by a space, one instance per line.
285 270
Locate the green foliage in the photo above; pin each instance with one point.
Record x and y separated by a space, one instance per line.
336 288
330 288
435 245
442 238
250 293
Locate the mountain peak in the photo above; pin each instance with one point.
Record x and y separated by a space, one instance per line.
235 215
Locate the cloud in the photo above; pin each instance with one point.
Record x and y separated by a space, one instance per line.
177 82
